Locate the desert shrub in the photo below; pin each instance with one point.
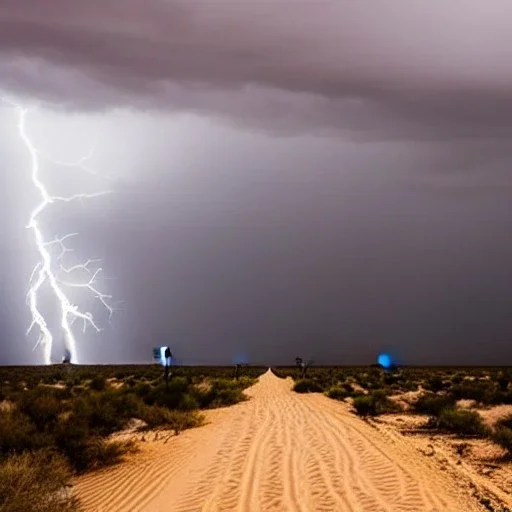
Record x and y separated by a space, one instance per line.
307 386
383 404
35 483
100 452
391 378
480 391
100 415
224 397
409 385
108 411
131 382
245 381
377 402
241 383
71 438
156 417
430 403
41 406
73 380
337 393
222 392
203 397
348 387
457 378
83 448
503 437
121 374
177 385
19 434
365 405
434 383
188 402
505 422
143 389
160 395
463 422
78 390
184 395
503 383
98 383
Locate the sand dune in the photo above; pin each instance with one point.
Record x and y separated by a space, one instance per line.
279 451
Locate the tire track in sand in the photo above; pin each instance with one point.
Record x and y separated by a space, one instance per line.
280 452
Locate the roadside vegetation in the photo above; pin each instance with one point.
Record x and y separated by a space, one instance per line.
58 421
432 392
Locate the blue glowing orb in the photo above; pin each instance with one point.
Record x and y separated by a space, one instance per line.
385 360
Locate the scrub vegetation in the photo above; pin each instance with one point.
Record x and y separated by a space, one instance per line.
56 421
430 391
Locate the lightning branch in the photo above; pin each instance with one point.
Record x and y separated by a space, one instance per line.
50 270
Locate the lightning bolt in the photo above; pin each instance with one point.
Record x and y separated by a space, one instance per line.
49 270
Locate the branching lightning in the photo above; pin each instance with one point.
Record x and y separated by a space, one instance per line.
50 269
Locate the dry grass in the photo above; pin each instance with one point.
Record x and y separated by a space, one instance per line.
35 483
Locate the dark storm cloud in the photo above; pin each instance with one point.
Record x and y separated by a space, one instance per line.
428 70
226 240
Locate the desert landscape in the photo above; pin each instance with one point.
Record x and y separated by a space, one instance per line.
255 256
347 439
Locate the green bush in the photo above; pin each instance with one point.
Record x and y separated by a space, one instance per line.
168 396
35 482
100 452
463 422
160 417
75 420
71 438
177 385
430 403
98 383
307 386
41 406
83 448
155 416
19 434
221 393
503 437
188 402
377 402
365 405
203 397
337 393
142 389
108 411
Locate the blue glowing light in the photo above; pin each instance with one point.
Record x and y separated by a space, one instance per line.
162 355
240 359
384 360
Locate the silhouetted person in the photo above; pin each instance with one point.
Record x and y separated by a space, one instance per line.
168 356
67 357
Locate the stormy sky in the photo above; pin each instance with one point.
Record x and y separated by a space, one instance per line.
327 179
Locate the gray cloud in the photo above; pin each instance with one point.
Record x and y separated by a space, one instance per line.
420 70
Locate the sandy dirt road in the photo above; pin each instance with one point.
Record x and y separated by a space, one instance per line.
279 451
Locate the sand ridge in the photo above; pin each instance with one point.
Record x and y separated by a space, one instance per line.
279 451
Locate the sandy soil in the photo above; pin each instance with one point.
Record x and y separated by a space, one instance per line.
279 451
